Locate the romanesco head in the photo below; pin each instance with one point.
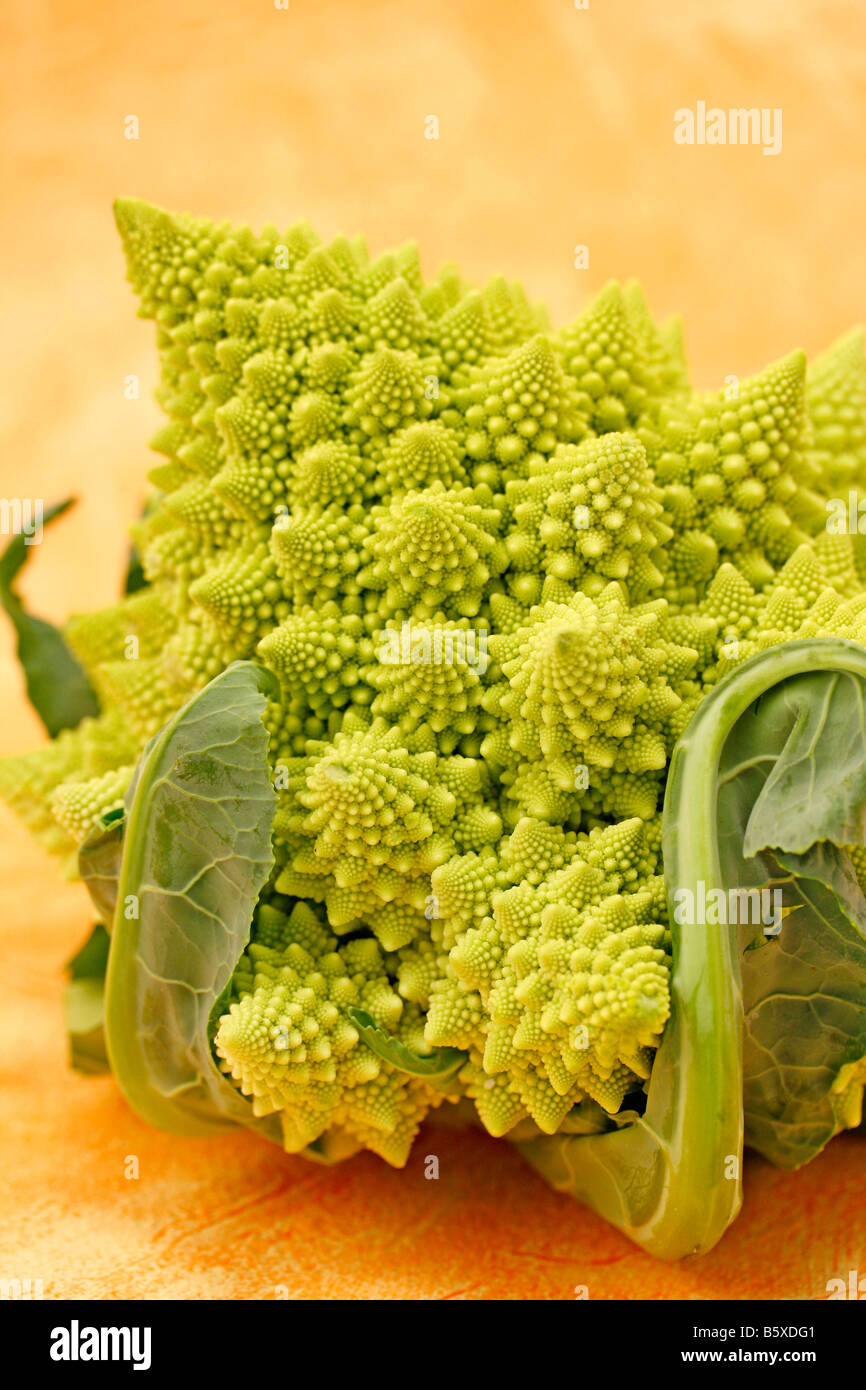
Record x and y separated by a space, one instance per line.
495 568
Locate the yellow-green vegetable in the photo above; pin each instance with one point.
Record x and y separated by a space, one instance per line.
425 599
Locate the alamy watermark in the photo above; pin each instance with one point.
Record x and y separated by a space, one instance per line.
421 646
726 907
853 1288
22 516
77 1343
846 516
14 1289
738 125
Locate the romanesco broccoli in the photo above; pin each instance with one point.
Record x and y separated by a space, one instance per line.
495 569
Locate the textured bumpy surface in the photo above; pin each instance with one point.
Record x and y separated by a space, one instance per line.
495 567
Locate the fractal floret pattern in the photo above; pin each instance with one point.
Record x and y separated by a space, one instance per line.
494 567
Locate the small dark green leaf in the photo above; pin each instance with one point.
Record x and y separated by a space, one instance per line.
83 1008
135 577
437 1069
57 687
90 960
83 1004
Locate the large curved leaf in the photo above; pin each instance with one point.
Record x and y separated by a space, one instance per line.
196 853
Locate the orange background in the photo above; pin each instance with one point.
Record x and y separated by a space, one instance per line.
556 129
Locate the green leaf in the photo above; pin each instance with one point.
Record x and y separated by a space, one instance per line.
83 1004
782 1061
99 859
804 1000
57 687
135 576
791 771
197 851
783 738
83 1012
437 1068
818 776
90 960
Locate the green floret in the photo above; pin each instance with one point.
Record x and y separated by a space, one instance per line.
323 654
80 806
289 1043
587 687
431 674
419 456
435 550
30 782
614 380
836 402
574 951
729 465
590 514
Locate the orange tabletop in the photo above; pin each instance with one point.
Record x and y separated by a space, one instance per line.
555 130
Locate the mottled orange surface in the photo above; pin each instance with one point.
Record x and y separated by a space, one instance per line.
556 129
